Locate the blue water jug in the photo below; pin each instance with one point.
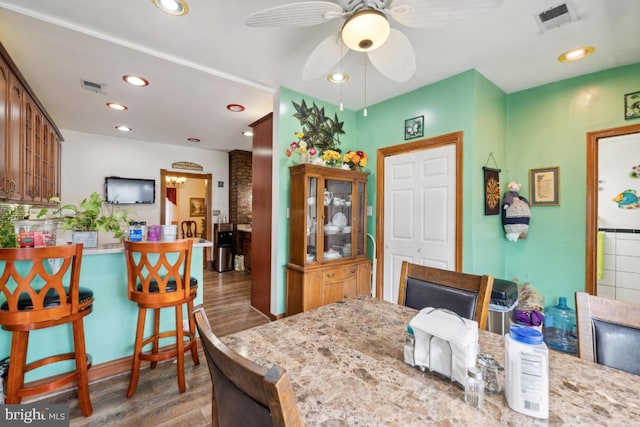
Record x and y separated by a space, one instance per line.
560 331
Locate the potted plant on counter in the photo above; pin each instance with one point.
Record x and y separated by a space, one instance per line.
89 217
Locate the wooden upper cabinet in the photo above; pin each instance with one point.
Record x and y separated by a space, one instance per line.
29 140
13 180
4 118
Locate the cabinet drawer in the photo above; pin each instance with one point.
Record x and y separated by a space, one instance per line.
339 274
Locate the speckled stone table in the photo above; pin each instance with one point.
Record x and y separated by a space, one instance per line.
346 365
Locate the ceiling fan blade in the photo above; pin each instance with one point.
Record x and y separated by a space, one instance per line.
438 13
327 54
395 59
295 15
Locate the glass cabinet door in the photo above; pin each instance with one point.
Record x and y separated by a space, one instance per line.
360 218
312 217
338 219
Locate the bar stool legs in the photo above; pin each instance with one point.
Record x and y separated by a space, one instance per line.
18 367
156 355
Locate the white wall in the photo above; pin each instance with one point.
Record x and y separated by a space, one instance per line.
88 158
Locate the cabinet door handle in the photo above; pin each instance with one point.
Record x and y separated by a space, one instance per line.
353 270
330 275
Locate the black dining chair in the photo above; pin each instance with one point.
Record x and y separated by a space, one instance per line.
466 294
609 332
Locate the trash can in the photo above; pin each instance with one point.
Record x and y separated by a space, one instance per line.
504 298
222 240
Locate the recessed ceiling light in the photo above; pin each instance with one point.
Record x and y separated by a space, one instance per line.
116 106
338 77
135 80
172 7
124 128
236 108
193 139
247 133
576 54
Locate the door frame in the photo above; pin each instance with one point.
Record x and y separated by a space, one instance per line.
207 199
591 256
454 138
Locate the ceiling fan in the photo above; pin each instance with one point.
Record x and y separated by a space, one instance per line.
367 29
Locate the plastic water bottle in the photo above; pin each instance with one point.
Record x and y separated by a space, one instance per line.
409 347
560 327
526 377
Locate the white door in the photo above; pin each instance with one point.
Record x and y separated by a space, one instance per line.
419 212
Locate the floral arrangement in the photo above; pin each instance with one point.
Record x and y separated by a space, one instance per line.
331 157
355 159
301 147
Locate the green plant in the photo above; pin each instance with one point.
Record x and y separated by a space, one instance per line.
8 214
319 130
91 214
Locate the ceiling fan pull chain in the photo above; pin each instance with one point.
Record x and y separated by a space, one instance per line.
364 112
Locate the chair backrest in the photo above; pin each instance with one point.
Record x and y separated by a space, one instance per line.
159 272
245 393
609 332
468 295
189 229
40 284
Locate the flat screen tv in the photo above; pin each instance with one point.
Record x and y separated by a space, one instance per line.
129 190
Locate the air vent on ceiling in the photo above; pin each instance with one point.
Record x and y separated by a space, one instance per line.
92 86
556 16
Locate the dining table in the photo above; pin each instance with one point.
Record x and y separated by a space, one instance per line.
346 365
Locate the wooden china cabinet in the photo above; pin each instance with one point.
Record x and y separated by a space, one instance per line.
328 233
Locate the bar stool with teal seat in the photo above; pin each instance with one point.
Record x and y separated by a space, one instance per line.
37 293
159 277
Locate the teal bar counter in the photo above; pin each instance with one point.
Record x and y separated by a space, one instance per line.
111 327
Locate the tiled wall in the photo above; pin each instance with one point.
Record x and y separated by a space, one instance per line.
621 276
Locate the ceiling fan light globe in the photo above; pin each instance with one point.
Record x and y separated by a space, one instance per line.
365 30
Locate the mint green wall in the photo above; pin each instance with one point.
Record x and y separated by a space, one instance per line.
540 127
466 102
547 126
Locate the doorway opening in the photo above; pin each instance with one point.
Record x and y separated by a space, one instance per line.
591 256
197 209
454 139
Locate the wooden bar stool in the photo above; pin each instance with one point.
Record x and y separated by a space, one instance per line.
37 295
158 277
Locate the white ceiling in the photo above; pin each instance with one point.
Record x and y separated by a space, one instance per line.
199 63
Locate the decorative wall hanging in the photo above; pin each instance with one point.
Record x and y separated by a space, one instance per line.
544 186
491 188
632 105
187 165
414 128
515 213
628 199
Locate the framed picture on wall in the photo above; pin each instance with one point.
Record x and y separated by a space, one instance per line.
196 206
632 105
544 186
414 128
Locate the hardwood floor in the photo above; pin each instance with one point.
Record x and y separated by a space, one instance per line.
157 401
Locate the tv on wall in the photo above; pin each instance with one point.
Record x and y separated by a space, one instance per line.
129 190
